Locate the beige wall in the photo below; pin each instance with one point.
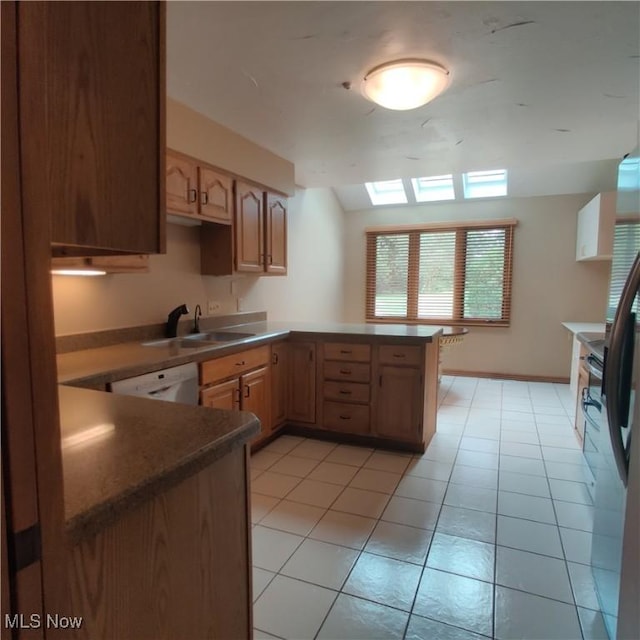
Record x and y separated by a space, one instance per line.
198 136
311 291
549 286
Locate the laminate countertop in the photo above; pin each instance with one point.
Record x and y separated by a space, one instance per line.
119 451
103 365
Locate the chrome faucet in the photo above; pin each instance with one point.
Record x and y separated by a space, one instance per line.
172 320
196 319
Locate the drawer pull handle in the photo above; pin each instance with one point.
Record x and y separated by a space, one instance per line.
204 198
346 372
399 355
274 359
345 417
192 195
345 350
240 364
344 393
247 391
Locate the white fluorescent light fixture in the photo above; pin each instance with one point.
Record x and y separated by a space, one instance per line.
386 192
405 84
78 272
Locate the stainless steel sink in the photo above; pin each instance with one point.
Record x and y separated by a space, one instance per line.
178 343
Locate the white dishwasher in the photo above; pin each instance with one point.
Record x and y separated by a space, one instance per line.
176 384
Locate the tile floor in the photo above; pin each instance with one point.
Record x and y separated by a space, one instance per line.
487 534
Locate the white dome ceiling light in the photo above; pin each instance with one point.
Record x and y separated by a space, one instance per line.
405 84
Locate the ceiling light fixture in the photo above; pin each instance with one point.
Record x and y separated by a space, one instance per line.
405 84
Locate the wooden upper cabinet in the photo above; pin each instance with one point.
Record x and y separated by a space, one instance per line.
198 191
254 239
182 185
276 234
92 122
216 195
249 229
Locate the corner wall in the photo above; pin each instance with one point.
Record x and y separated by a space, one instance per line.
549 286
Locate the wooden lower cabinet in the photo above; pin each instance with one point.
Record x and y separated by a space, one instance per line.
398 406
302 379
241 381
279 383
177 566
255 388
224 395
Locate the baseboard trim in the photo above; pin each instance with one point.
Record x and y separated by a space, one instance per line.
505 376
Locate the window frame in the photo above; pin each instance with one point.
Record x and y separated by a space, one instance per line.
414 231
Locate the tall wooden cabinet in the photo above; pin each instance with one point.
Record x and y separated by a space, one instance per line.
92 96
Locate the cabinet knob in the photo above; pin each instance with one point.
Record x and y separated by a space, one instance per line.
274 359
192 195
204 197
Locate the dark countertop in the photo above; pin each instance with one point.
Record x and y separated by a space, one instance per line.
103 365
119 451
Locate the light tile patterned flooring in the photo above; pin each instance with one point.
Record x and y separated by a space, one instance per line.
487 534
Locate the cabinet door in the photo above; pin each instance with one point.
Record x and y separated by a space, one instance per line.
256 394
249 223
224 395
216 195
182 185
279 386
398 404
302 382
276 234
92 122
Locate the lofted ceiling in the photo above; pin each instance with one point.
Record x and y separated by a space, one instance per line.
547 90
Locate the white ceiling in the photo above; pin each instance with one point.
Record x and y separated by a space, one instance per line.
547 90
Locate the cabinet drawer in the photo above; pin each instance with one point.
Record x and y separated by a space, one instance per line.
399 354
352 418
346 391
236 364
347 352
349 371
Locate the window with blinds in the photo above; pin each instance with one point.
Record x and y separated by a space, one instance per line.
440 274
626 244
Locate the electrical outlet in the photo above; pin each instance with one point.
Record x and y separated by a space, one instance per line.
213 306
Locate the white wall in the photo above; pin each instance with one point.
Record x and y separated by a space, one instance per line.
312 290
549 286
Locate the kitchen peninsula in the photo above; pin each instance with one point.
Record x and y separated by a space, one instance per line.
157 493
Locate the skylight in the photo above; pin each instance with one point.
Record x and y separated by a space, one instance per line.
386 192
433 188
485 184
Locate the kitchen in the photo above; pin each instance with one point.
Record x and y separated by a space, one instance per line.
317 246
